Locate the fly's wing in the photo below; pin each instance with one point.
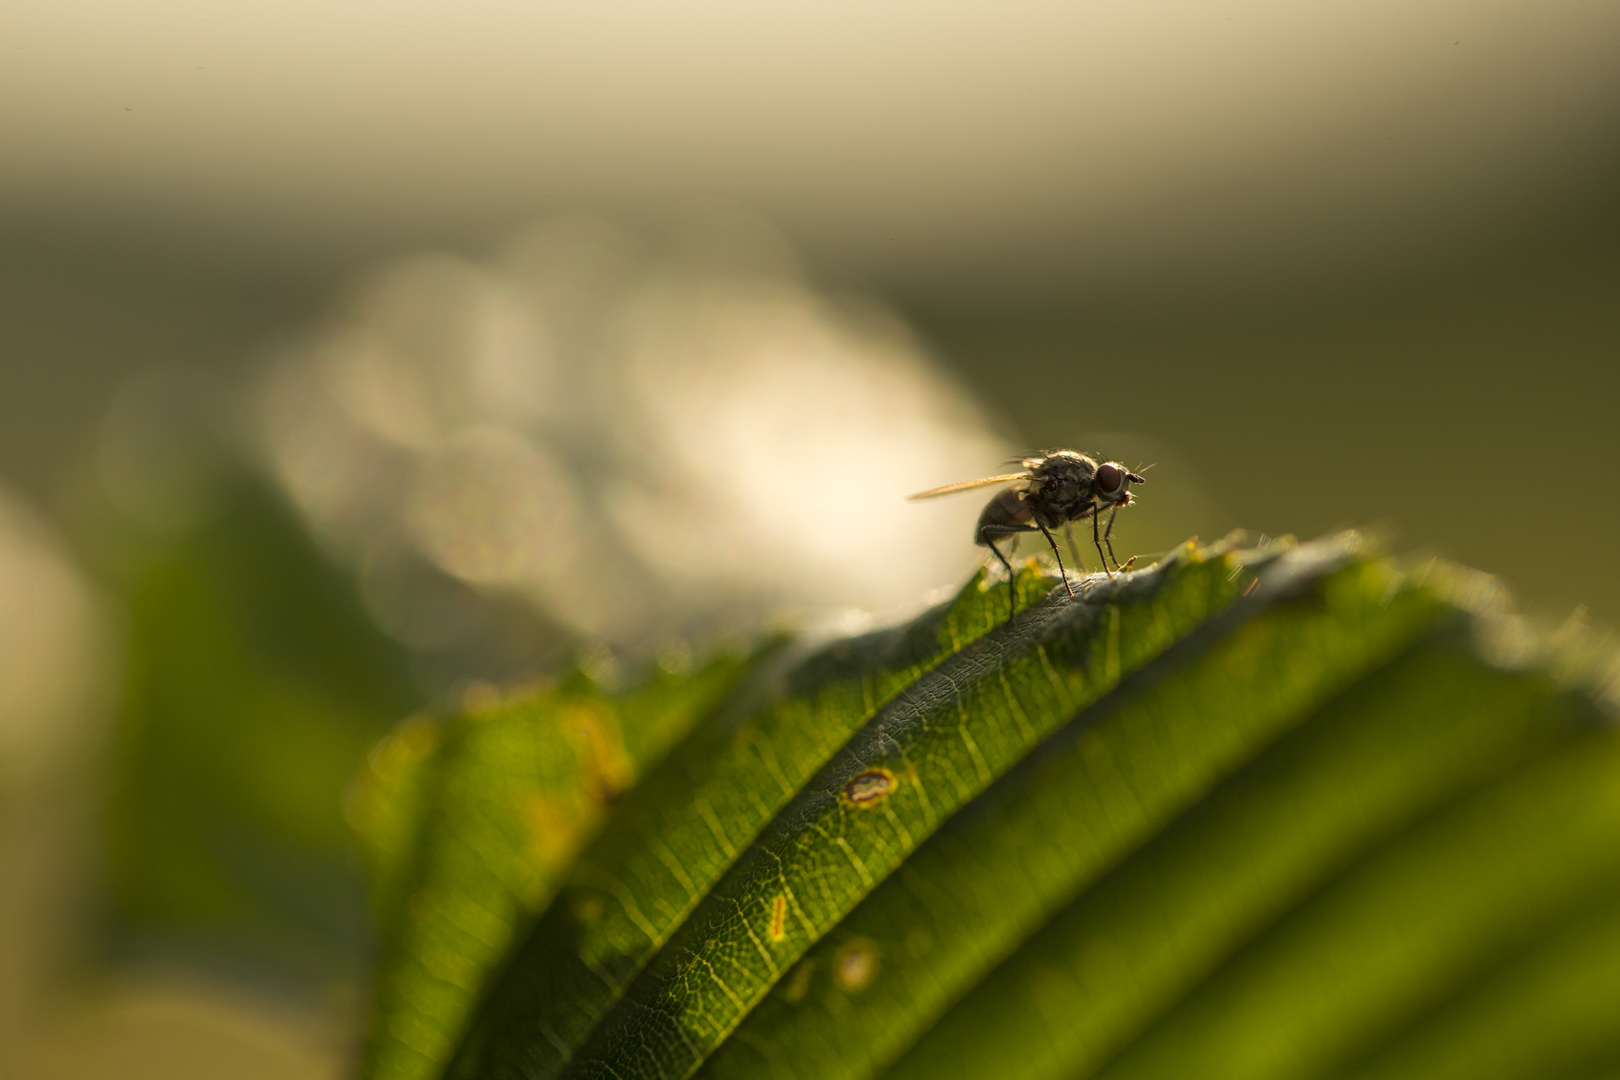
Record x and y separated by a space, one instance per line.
966 485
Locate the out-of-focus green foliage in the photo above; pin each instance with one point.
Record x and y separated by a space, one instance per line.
254 681
468 821
1252 814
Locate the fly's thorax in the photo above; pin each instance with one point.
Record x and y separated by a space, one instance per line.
1060 503
1062 487
1062 465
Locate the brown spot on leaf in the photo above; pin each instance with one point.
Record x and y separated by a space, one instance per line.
778 928
855 965
868 788
798 983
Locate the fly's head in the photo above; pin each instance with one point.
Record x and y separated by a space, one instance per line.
1113 481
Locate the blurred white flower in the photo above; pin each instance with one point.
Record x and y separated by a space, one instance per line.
636 442
492 508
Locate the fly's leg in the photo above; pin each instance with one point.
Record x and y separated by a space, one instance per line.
1108 539
1012 596
1096 538
1059 556
985 535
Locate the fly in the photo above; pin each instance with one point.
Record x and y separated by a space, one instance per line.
1053 491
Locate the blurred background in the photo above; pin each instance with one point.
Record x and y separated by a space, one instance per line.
352 358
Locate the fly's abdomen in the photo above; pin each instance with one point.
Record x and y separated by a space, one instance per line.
1010 507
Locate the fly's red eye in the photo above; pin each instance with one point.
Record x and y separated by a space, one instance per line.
1109 478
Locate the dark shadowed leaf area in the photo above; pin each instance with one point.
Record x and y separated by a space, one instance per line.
1291 812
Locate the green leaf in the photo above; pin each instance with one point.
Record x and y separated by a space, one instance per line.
1548 1011
732 861
1357 963
1111 954
1251 814
467 823
1111 781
